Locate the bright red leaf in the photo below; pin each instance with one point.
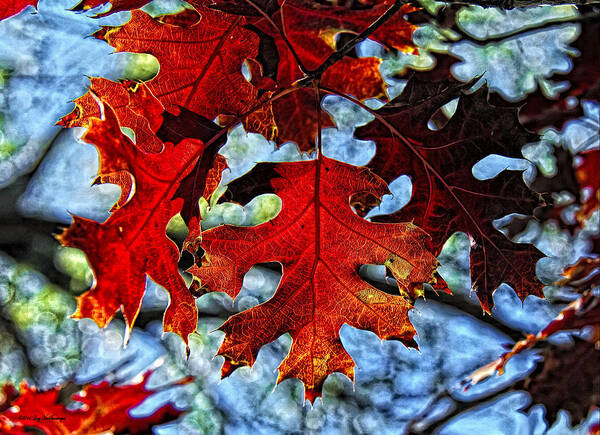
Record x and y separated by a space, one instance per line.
200 64
321 243
133 242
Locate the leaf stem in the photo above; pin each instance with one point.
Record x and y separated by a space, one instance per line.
319 112
282 33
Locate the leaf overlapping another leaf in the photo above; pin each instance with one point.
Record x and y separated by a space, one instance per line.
294 51
321 243
446 196
133 242
200 64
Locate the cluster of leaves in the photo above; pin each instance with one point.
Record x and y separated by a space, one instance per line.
294 53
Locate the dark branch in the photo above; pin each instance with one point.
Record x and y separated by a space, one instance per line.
459 407
349 46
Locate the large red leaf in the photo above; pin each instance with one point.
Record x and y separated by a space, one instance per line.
200 64
446 196
132 242
320 243
104 408
8 8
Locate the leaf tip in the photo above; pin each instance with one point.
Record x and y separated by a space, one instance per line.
229 367
311 394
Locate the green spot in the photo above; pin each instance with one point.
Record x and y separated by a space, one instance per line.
73 262
140 66
263 208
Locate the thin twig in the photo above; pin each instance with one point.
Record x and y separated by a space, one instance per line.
339 54
460 406
281 32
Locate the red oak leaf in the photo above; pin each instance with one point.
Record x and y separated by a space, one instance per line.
446 196
200 65
132 242
210 82
8 8
135 107
320 243
104 408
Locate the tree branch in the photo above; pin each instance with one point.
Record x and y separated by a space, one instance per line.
459 407
339 54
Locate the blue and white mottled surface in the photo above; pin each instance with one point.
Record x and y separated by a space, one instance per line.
48 56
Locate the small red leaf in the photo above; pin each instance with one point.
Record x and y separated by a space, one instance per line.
104 408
